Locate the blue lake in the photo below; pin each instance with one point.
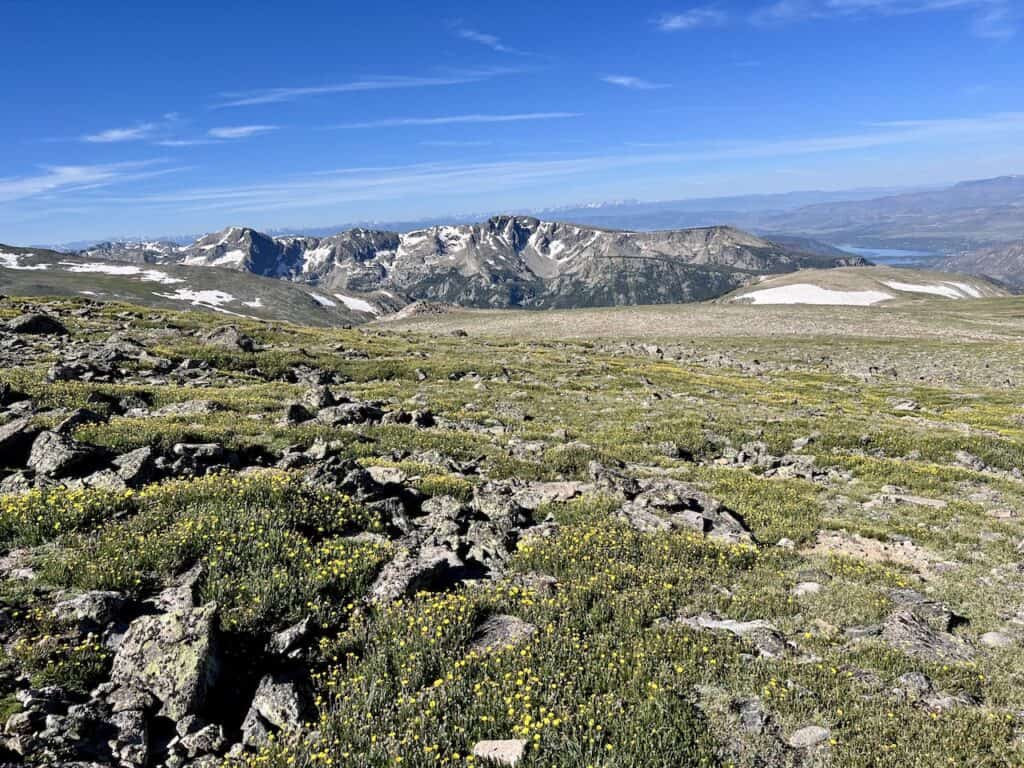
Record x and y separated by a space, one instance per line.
892 256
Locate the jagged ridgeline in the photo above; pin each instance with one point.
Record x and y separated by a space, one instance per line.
506 261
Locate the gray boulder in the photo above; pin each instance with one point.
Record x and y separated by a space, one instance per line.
16 438
90 609
350 413
36 323
230 337
664 505
174 656
408 573
501 631
57 455
282 701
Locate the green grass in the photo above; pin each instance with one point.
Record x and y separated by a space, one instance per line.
609 679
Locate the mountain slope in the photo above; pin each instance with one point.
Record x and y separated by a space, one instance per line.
506 261
1004 263
38 272
863 286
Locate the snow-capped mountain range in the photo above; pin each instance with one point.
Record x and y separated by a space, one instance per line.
505 261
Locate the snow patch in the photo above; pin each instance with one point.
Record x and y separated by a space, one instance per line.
235 256
123 270
946 291
357 305
198 298
12 261
806 293
256 303
973 291
323 301
315 257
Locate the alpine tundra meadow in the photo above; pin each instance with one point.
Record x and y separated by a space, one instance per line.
548 386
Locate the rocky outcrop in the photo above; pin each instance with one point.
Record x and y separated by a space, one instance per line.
35 323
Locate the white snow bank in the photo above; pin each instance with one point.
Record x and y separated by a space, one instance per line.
125 270
207 298
973 291
235 256
323 301
13 261
806 293
357 305
947 291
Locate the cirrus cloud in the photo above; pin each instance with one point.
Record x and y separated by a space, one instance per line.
240 131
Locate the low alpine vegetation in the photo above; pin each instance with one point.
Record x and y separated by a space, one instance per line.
269 547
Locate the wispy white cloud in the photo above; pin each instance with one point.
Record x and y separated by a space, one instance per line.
995 23
399 122
240 131
276 95
113 135
692 19
65 178
993 19
365 184
184 142
486 39
636 83
454 143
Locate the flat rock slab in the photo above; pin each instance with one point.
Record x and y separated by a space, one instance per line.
501 751
906 630
763 636
501 631
808 736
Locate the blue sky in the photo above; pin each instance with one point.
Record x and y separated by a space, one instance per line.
130 119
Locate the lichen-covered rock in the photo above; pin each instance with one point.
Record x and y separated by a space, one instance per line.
282 701
501 631
90 609
409 572
174 656
57 455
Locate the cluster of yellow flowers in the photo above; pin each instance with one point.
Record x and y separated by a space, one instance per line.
39 515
